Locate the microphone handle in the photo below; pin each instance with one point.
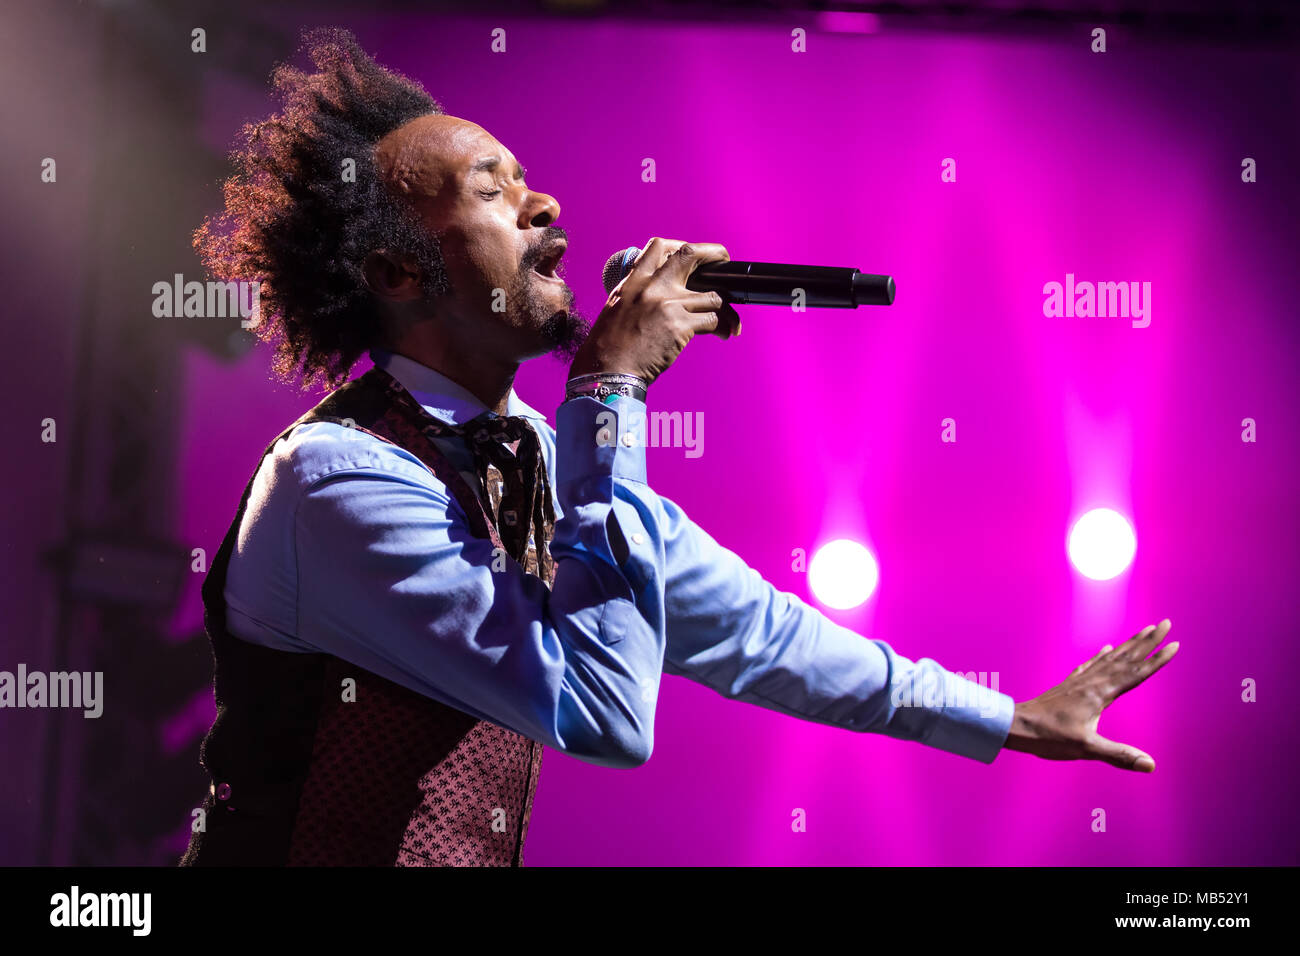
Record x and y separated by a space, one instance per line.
773 283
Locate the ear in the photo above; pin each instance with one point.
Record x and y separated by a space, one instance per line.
390 277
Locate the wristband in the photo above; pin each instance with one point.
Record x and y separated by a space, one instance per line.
606 387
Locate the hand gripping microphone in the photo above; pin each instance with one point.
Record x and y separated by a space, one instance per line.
771 283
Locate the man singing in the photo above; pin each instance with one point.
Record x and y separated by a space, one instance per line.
424 583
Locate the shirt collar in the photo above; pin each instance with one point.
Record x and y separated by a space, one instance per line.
441 397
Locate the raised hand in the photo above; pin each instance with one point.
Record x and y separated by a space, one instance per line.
1061 724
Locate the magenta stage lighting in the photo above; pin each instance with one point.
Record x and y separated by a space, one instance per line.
1102 544
843 574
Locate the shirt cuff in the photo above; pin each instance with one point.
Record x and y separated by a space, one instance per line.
972 721
594 440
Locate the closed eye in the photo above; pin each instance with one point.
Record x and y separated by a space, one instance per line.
489 195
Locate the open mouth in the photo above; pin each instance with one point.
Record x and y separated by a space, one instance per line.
548 264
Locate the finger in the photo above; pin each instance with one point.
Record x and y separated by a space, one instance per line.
678 267
712 315
1125 649
704 323
1152 664
1162 631
1119 755
652 257
728 321
702 302
1092 660
1140 644
1129 674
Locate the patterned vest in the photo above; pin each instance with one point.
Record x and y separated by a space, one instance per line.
392 778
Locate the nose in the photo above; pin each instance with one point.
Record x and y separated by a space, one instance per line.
539 211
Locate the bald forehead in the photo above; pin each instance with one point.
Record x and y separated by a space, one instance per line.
429 153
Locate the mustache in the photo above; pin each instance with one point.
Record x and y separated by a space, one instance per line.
551 238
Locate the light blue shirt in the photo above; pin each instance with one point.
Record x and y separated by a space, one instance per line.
350 546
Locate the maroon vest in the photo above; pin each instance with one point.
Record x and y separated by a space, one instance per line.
392 778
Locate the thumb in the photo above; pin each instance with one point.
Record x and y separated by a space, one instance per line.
1120 755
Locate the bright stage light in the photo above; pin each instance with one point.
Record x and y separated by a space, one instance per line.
1102 544
842 574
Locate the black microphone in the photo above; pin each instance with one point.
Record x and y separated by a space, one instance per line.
771 283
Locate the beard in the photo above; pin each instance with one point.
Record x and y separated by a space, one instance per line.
563 331
529 304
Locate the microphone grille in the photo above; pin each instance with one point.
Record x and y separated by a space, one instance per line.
618 266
